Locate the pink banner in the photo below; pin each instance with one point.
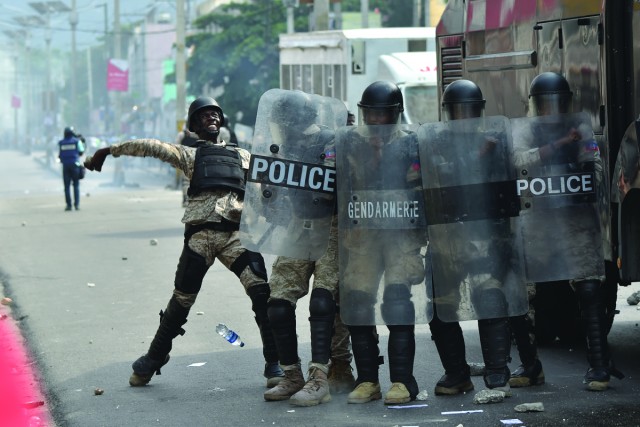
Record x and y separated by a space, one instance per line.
118 75
16 102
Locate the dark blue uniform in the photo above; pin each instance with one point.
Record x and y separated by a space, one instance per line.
70 150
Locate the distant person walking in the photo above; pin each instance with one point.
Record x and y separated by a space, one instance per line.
71 148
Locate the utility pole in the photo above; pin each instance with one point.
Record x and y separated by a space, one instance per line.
417 12
28 104
181 68
15 107
48 107
321 14
427 13
107 56
116 54
73 20
364 12
290 4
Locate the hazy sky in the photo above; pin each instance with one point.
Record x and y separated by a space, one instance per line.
90 20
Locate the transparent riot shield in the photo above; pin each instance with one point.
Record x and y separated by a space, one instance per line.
626 174
472 208
381 227
626 181
289 200
563 197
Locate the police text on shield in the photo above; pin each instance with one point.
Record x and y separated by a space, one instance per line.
561 185
288 173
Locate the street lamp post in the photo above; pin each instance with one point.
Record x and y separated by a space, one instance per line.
15 107
107 54
181 70
73 21
46 8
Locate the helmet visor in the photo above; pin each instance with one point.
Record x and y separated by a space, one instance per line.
550 103
378 116
459 111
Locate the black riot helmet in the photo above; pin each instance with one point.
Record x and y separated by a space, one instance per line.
379 99
549 93
69 132
199 104
294 110
462 99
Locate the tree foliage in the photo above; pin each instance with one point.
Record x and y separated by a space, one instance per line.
238 49
395 13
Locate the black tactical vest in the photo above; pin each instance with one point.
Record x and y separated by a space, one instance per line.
217 167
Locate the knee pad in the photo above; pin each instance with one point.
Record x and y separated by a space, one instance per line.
280 312
588 291
491 303
259 295
250 259
397 307
322 306
192 268
360 307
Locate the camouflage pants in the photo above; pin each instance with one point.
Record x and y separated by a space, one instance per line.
198 255
290 278
290 281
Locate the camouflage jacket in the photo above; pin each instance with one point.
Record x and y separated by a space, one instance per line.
207 206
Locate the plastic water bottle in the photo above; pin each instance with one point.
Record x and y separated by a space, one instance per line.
229 335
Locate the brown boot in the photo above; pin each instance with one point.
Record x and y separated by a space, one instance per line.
341 378
292 383
316 390
365 392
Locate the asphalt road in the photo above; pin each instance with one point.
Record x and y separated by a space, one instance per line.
87 287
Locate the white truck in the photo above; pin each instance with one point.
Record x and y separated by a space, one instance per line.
342 63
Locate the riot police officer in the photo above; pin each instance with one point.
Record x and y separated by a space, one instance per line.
216 170
463 99
294 130
71 148
373 153
550 95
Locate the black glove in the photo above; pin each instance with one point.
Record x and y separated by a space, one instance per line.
96 161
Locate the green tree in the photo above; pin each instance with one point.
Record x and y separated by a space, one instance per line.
395 13
239 52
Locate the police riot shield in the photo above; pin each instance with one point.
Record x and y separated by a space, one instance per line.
289 200
626 177
471 209
626 174
381 227
563 197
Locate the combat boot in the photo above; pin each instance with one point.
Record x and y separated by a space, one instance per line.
273 373
144 368
341 378
292 383
593 320
366 353
597 379
398 393
365 392
450 345
401 349
526 376
498 379
451 384
171 321
259 295
316 389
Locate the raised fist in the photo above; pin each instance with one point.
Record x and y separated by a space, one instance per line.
96 161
